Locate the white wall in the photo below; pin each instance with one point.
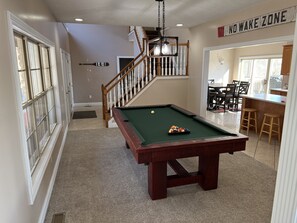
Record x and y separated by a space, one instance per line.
204 37
221 63
14 201
254 51
95 43
164 90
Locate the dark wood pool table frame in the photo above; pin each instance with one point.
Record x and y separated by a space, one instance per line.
157 155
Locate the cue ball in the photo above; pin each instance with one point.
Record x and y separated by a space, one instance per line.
152 112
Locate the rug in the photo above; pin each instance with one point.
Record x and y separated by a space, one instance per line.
99 181
84 114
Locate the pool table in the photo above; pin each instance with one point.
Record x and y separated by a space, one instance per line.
145 129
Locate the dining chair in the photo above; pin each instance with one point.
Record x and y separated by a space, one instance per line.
227 96
237 82
211 81
242 89
211 98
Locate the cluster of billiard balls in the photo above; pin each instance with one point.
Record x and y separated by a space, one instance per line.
175 129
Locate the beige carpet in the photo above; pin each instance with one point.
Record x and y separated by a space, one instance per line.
99 181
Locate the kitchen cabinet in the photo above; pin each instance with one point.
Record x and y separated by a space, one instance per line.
279 92
287 57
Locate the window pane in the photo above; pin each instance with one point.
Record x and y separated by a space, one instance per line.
47 80
43 134
33 55
40 109
45 67
275 78
36 82
24 86
246 68
52 119
259 75
19 47
32 151
29 120
50 99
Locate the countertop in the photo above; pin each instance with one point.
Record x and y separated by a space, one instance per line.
276 99
279 89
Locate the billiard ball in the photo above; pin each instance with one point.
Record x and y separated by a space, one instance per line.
152 111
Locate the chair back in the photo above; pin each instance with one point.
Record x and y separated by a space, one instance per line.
237 82
230 89
211 81
243 88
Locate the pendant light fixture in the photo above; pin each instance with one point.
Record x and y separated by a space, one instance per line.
163 45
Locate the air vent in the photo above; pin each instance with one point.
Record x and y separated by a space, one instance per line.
59 218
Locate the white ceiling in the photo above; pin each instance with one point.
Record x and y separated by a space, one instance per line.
144 12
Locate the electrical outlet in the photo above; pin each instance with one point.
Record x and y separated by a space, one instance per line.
90 96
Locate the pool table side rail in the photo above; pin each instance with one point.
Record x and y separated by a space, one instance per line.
178 149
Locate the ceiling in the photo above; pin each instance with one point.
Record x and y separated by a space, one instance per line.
144 12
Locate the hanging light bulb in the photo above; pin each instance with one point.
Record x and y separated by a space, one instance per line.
166 48
157 50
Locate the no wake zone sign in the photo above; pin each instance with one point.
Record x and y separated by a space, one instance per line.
270 19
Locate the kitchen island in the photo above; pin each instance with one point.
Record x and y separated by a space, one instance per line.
265 103
279 91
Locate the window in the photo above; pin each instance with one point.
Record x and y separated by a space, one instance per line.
262 73
37 95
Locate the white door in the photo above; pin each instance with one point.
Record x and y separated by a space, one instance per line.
67 78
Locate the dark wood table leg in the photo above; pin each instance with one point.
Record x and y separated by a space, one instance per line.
209 168
127 145
157 180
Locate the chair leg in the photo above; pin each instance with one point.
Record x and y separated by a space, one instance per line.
248 124
256 124
270 129
262 127
278 129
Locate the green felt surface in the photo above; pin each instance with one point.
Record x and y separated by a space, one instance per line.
153 128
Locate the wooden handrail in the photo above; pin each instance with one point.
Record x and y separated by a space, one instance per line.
188 53
129 64
126 74
138 42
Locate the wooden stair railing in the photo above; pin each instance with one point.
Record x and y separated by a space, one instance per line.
138 74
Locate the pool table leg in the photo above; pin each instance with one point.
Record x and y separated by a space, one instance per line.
209 168
157 180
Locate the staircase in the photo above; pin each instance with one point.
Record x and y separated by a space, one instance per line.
141 71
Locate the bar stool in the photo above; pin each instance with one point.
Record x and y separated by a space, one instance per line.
273 122
248 115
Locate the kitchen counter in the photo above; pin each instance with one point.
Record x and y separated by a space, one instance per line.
271 98
265 103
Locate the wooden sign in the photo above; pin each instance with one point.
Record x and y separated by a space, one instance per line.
268 20
97 64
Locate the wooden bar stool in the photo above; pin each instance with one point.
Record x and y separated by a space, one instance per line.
249 115
271 121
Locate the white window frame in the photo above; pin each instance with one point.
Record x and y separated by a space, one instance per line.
269 57
34 180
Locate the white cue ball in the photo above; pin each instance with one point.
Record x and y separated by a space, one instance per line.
152 112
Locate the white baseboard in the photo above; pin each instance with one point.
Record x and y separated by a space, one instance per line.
88 104
52 181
